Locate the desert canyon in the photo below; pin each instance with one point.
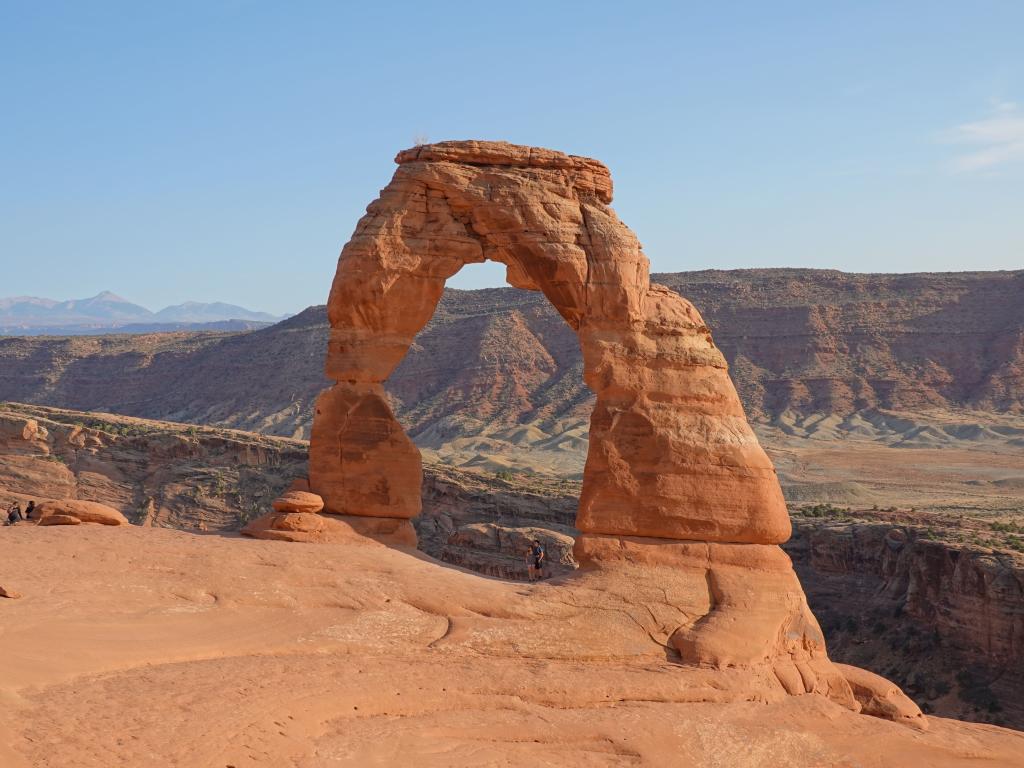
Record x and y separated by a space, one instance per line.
371 611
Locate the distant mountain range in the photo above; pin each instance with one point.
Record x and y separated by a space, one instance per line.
107 312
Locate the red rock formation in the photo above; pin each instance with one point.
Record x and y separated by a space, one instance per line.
73 512
671 454
312 527
298 501
676 490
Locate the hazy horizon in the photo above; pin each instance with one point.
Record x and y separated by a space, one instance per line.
225 151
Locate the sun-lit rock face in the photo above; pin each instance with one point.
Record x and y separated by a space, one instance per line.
671 453
678 499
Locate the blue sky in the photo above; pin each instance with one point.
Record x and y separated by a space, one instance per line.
225 150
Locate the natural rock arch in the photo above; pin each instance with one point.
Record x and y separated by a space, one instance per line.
671 454
680 513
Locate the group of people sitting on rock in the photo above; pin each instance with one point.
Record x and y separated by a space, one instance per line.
15 515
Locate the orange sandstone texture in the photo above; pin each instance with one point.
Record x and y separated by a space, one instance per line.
679 503
298 501
73 512
310 527
671 454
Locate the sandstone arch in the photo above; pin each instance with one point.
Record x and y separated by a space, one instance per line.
680 511
671 454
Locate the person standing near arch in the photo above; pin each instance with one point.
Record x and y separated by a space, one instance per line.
535 560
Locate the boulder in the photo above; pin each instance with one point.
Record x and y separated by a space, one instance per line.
880 698
59 520
9 593
298 501
81 511
325 528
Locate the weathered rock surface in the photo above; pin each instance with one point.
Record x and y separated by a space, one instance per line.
63 511
676 487
309 527
803 342
59 519
946 619
863 623
671 453
485 523
368 655
158 473
501 550
9 593
880 698
298 501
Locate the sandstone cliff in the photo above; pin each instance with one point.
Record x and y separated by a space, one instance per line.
944 619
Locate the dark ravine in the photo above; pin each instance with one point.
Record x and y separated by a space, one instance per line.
943 620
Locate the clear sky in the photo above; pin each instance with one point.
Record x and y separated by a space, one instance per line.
225 150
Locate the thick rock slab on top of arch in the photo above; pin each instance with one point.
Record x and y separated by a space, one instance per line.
671 453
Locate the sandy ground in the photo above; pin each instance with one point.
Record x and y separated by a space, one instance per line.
152 647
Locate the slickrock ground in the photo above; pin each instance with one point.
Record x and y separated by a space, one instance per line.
932 644
153 647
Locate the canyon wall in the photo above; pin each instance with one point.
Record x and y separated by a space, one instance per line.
805 341
944 620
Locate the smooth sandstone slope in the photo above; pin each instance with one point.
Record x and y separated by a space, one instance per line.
922 613
203 651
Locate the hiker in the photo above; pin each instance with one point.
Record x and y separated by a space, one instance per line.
14 514
535 560
29 510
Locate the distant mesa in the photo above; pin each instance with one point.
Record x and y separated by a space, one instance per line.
107 312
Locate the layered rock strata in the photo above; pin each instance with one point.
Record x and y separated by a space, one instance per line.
73 512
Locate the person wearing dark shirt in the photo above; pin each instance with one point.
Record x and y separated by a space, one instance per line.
14 514
536 560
